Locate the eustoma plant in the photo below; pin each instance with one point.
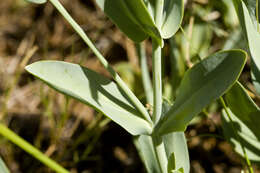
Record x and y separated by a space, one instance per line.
158 135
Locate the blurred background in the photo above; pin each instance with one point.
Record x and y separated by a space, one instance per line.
73 134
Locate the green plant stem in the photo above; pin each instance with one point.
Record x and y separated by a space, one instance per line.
148 89
157 63
250 169
157 83
17 140
103 61
160 152
157 91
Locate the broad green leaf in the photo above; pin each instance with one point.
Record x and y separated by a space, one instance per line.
3 168
92 89
144 145
172 16
244 108
245 135
202 84
174 143
246 12
132 17
37 1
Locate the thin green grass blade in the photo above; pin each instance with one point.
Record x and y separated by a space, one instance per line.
37 1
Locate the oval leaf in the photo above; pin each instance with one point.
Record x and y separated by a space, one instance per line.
202 84
37 1
245 109
245 135
245 116
144 145
173 11
175 144
92 89
132 18
246 12
173 14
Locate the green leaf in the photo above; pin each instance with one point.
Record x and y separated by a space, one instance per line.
246 12
37 1
174 143
92 89
202 84
172 16
244 108
132 17
246 137
3 168
144 145
245 115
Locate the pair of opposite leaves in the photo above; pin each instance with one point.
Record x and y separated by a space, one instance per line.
106 97
135 17
203 83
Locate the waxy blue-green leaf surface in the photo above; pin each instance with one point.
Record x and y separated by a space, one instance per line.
3 167
246 137
245 115
173 11
244 108
144 145
246 11
132 18
92 89
172 18
202 84
37 1
173 142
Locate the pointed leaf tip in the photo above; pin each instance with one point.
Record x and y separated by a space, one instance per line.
92 89
205 81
